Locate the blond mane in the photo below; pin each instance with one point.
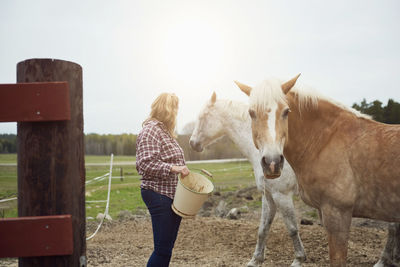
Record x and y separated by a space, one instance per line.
269 92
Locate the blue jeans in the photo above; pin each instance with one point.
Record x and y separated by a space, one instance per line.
165 227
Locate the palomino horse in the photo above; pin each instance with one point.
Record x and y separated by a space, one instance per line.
223 117
346 164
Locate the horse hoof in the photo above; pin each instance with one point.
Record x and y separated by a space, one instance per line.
386 263
254 263
296 263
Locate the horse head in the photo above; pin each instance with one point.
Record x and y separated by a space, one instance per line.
208 127
269 114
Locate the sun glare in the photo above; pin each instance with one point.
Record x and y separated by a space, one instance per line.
193 50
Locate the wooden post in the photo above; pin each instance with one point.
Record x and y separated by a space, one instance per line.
51 167
36 236
121 174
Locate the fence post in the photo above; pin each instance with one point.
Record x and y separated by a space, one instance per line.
121 174
51 173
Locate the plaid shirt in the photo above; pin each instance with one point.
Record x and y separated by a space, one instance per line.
156 152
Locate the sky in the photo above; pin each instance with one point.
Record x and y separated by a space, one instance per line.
131 51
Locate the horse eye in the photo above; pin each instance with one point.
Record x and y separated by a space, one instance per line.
252 114
285 113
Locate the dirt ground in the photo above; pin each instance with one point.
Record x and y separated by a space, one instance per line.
215 241
211 241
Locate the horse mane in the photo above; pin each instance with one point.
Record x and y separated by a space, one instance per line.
236 109
307 95
265 94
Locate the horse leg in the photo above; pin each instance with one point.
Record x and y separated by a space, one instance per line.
267 216
286 207
320 216
337 224
391 253
396 249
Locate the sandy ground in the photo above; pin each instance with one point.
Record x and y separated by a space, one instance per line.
211 241
215 241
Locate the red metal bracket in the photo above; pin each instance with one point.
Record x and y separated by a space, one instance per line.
36 236
41 101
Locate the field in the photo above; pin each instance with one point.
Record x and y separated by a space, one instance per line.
125 194
207 240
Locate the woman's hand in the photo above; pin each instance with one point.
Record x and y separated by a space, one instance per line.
183 170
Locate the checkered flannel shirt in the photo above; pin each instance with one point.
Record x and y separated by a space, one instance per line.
156 152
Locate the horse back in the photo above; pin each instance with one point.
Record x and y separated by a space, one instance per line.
374 158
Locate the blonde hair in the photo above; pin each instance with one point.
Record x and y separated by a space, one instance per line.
164 109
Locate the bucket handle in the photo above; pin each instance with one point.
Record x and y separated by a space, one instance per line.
209 174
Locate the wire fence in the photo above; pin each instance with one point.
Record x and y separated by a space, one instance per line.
107 200
110 177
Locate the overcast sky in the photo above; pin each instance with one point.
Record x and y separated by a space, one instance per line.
131 51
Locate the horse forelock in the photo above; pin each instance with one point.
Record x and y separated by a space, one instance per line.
266 94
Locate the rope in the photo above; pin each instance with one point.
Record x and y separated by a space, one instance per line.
214 161
232 168
108 200
8 199
100 178
228 169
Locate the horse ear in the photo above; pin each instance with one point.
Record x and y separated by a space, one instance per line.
213 98
245 88
289 84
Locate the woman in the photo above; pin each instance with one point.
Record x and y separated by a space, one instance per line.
159 159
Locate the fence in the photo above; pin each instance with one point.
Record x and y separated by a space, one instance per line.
47 104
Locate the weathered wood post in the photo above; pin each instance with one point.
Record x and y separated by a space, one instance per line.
51 171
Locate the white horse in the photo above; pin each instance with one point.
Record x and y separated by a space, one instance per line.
223 117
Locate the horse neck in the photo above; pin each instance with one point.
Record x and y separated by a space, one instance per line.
239 131
309 129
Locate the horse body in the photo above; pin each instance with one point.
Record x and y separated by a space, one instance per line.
223 117
345 160
379 177
346 164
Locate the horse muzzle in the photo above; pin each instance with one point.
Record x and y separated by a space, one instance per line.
272 166
196 146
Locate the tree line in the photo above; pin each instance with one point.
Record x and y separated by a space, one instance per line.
121 144
8 143
387 114
125 144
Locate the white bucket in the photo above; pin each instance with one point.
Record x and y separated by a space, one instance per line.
191 192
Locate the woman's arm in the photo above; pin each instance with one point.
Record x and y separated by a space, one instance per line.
183 170
147 155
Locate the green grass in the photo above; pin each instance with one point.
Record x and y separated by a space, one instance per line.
8 189
313 214
106 159
228 176
8 158
12 158
8 179
125 195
